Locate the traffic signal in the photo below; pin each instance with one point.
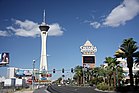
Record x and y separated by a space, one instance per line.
63 70
54 70
71 70
63 75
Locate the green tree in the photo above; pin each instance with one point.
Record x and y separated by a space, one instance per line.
120 74
137 58
59 80
78 74
103 72
98 75
87 74
112 66
128 50
95 72
137 78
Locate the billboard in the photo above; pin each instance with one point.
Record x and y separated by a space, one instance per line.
23 72
4 58
88 59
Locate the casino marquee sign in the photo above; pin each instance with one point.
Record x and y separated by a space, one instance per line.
88 54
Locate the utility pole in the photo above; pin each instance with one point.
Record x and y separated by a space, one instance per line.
33 75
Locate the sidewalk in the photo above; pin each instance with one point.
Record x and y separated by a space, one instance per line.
29 91
23 92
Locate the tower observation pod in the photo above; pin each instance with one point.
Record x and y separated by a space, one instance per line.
43 61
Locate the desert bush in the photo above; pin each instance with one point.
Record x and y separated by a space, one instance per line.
103 86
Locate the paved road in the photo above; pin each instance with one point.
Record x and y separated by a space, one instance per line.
70 89
67 89
41 90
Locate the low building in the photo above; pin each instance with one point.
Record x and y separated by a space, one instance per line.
13 72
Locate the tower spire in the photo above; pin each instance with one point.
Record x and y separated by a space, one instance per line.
43 22
44 16
43 26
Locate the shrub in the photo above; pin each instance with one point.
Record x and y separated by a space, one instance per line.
103 86
96 80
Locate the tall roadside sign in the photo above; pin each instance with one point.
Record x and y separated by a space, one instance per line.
88 54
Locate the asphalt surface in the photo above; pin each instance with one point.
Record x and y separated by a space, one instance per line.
66 89
69 89
41 90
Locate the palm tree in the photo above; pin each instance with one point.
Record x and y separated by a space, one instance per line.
95 71
137 58
97 75
137 65
128 50
103 73
112 66
137 78
87 73
59 79
120 74
78 74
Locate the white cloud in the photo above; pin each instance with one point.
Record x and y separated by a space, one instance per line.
122 13
25 28
29 28
95 24
4 33
55 30
86 21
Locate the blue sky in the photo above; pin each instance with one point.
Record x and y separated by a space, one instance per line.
72 22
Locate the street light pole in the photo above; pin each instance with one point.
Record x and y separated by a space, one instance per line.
33 76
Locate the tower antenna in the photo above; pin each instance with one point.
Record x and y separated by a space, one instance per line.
44 16
43 21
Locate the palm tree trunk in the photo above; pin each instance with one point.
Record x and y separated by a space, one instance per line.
131 76
114 79
130 65
110 80
78 81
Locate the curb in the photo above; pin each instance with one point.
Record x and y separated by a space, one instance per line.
23 92
103 91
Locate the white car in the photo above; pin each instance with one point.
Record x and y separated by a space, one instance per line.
40 86
59 85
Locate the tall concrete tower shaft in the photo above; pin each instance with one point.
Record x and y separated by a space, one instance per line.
44 32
